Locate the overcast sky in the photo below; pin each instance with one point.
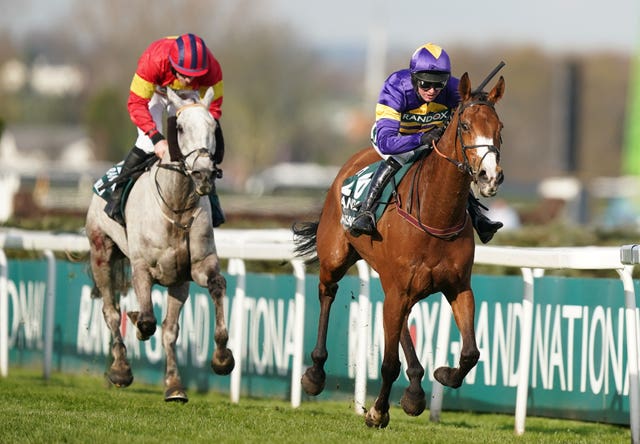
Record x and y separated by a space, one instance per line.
553 25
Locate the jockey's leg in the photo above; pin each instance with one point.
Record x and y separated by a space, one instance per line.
484 226
219 154
364 222
217 215
135 157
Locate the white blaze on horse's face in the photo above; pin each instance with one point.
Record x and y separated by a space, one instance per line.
489 173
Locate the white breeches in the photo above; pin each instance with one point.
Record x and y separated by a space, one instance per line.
158 105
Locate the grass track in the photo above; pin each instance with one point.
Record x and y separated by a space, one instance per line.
84 409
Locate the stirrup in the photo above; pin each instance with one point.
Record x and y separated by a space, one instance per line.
363 223
489 228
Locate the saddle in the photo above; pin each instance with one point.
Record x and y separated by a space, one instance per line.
107 183
355 189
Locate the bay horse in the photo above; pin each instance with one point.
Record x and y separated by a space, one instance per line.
414 259
168 240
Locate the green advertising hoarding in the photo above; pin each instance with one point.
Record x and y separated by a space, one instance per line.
578 363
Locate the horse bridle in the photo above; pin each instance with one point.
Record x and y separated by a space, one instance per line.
465 166
462 166
179 165
181 159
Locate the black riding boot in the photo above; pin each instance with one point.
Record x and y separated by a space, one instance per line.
217 215
484 226
219 154
364 222
135 157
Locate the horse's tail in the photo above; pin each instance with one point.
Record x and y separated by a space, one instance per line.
305 238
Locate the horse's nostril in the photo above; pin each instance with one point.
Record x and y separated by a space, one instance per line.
500 178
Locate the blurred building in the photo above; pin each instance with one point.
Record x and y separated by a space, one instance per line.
42 77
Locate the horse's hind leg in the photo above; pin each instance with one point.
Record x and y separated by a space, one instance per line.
314 377
174 390
413 400
463 307
103 257
336 257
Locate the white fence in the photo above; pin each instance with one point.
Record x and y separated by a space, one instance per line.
241 245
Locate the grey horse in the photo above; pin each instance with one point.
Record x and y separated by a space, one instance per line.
168 241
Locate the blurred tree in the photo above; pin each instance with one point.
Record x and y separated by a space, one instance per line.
287 101
273 84
110 129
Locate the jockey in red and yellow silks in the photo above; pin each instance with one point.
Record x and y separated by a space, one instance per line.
180 63
156 70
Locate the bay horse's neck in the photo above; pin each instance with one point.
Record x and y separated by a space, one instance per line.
444 195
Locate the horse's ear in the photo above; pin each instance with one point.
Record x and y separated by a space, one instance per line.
174 98
464 87
208 97
497 92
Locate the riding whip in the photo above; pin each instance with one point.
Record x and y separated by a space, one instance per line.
489 77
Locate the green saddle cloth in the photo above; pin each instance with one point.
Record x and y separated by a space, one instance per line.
355 189
104 186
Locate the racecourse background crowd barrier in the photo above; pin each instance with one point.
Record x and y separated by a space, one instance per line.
571 351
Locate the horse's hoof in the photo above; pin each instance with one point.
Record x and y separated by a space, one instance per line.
376 419
146 329
120 377
313 381
446 377
222 362
176 394
412 403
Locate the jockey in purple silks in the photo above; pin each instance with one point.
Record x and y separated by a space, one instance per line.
412 112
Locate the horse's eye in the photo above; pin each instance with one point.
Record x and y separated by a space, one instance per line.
465 126
179 128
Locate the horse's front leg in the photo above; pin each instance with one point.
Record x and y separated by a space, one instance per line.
413 400
463 307
102 259
314 377
144 320
394 320
206 273
222 362
174 390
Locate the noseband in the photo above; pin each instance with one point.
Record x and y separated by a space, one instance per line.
464 166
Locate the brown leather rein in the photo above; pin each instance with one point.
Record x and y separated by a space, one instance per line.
463 166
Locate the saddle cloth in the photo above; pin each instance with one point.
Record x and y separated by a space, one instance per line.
105 185
355 189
